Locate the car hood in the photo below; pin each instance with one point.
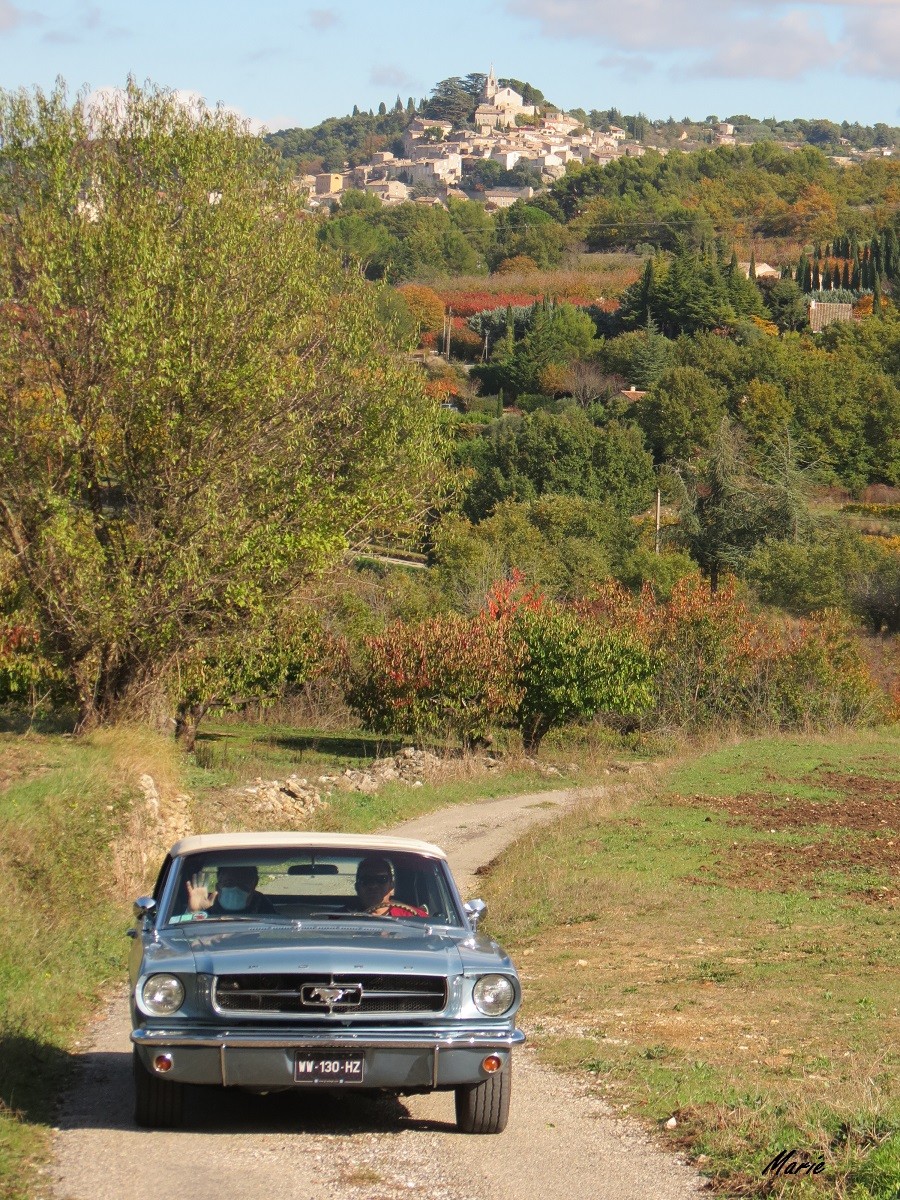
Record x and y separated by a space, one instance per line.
329 948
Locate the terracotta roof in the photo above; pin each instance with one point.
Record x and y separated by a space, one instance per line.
821 315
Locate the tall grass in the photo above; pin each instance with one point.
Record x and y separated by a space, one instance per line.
72 825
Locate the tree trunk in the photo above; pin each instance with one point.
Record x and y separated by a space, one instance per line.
533 730
187 721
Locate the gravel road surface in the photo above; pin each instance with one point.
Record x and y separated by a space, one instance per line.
560 1140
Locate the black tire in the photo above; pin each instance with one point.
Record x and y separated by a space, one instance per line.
158 1103
484 1107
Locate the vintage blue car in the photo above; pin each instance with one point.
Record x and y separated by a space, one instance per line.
270 961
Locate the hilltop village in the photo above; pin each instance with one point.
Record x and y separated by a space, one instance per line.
439 160
507 131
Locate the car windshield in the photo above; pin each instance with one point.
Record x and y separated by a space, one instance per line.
324 883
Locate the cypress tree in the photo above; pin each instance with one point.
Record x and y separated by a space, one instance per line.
826 277
807 278
855 279
411 106
648 290
854 245
845 280
876 297
751 274
733 264
892 255
816 277
802 268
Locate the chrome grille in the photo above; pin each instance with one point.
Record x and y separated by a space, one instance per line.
296 993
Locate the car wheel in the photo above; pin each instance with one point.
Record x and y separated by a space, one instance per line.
158 1103
484 1107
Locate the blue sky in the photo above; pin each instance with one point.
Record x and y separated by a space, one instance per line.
285 63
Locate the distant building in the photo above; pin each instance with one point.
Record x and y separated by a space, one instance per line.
328 183
763 271
499 106
495 198
821 315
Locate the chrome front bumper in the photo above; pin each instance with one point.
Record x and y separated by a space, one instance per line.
420 1058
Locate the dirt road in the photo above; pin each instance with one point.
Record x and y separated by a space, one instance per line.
560 1140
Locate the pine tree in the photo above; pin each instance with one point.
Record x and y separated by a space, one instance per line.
751 274
733 264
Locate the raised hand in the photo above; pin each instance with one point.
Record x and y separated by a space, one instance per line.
200 898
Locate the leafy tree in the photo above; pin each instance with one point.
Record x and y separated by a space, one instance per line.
562 544
571 667
451 100
199 407
786 304
726 508
524 229
560 454
680 413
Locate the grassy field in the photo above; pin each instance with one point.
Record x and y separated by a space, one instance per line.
722 949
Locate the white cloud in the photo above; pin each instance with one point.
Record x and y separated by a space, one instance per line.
873 40
321 19
389 76
786 48
10 16
769 39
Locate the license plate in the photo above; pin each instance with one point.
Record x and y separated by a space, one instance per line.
329 1068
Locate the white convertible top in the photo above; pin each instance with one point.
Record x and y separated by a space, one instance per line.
370 843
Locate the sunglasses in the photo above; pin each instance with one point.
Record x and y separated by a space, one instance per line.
374 879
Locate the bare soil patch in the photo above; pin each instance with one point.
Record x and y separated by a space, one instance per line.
864 813
864 804
18 763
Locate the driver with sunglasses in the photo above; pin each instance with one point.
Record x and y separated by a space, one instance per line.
375 889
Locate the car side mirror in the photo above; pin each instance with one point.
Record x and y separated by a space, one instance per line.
474 910
144 909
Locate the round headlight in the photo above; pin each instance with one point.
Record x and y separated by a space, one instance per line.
162 994
493 995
